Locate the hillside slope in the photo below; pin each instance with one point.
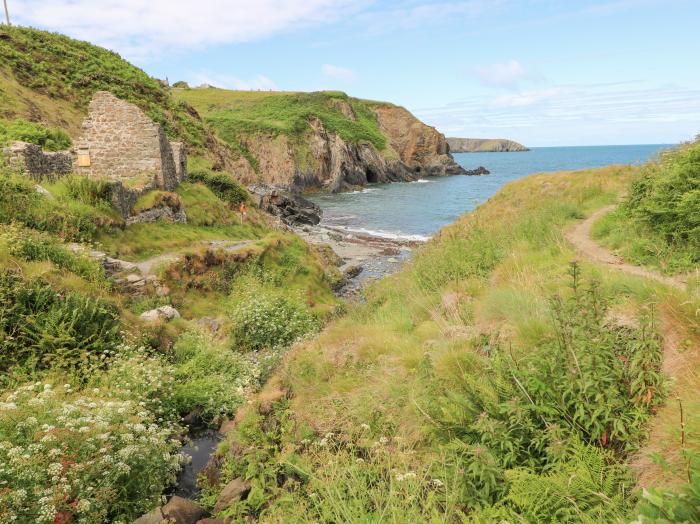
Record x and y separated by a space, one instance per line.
324 140
494 379
484 145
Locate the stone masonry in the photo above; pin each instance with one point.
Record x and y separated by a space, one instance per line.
38 164
122 144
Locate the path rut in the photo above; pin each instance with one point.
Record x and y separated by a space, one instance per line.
580 237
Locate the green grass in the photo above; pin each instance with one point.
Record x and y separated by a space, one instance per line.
62 72
440 392
235 114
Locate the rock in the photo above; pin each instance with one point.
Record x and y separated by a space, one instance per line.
213 521
292 209
162 291
210 324
234 491
183 511
43 191
352 271
166 313
226 426
481 170
152 517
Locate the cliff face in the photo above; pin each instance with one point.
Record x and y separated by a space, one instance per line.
484 145
331 143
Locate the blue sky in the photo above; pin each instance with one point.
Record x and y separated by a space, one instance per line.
542 72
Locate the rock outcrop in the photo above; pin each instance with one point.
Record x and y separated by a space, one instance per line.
484 145
291 208
325 161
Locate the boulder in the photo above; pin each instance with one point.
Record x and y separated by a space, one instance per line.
183 511
234 491
291 208
481 170
166 313
152 517
214 521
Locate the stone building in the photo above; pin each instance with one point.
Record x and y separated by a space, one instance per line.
120 143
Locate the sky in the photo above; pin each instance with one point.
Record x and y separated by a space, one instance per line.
542 72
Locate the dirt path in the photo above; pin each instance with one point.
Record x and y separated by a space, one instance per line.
676 363
150 265
580 237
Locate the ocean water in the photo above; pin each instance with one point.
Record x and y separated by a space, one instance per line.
416 210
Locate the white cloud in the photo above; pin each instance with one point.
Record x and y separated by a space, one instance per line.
506 74
575 114
339 73
142 28
257 83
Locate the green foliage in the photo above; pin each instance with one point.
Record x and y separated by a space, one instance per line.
181 84
267 322
659 223
32 245
64 68
49 139
211 380
659 506
67 218
586 486
82 456
88 190
222 184
40 328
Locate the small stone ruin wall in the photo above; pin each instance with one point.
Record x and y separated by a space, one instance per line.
38 164
123 144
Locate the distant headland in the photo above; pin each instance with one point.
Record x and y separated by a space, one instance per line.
483 145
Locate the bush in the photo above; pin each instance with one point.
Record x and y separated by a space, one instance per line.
264 321
666 197
81 456
88 191
40 328
222 184
212 380
50 139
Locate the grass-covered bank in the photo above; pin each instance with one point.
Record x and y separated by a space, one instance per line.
490 380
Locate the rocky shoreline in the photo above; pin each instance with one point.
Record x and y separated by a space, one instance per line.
362 258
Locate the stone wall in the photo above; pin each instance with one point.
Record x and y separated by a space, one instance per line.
36 163
120 143
180 158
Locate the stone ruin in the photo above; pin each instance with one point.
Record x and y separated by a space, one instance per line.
119 143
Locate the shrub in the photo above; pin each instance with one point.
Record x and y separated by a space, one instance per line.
40 328
666 197
78 456
266 321
50 139
222 184
212 380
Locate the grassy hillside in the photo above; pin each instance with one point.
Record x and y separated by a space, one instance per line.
658 223
50 78
492 379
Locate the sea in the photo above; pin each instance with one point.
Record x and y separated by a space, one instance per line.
416 210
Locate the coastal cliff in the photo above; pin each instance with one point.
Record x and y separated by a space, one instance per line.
484 145
321 141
